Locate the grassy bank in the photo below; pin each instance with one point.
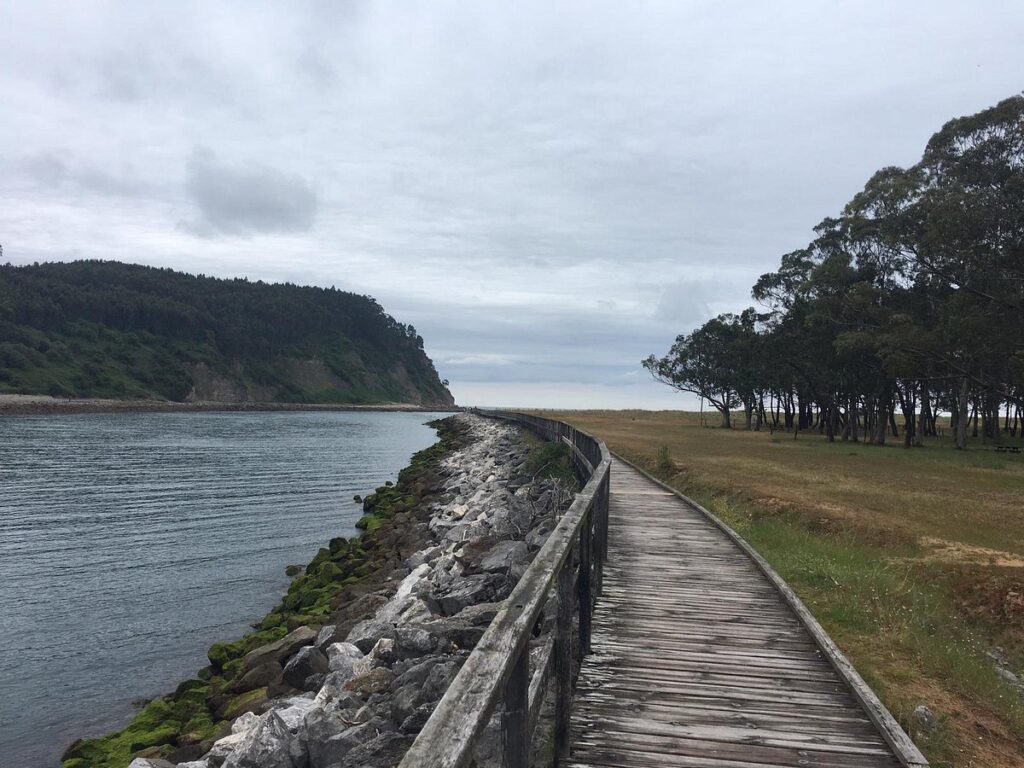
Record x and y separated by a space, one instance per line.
913 560
200 710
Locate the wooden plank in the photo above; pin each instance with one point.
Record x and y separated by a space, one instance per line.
699 660
901 745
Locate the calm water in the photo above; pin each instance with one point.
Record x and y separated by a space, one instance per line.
130 542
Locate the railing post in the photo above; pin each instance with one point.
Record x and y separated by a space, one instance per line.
563 661
515 716
602 502
584 584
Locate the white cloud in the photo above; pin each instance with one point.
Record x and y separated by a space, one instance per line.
548 192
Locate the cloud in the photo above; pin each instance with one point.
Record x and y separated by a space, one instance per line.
247 199
59 170
685 303
548 192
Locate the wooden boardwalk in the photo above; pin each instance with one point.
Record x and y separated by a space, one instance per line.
698 661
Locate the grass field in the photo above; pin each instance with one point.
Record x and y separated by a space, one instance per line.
913 560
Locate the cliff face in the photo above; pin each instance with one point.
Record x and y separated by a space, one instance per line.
105 329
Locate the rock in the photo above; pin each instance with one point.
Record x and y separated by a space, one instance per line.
320 725
281 649
479 615
411 642
417 673
405 701
266 745
308 661
414 723
365 665
427 556
258 677
313 683
293 711
329 738
150 762
506 556
334 694
280 689
250 701
195 764
342 656
222 748
440 677
374 681
385 751
365 634
384 650
325 637
1007 675
470 590
537 537
244 722
926 721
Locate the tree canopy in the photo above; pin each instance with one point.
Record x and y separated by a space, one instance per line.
910 301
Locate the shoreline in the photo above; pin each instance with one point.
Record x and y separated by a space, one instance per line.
360 572
348 666
44 405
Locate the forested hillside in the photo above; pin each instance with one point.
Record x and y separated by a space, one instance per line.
106 329
907 304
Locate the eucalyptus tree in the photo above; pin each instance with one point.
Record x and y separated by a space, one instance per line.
910 300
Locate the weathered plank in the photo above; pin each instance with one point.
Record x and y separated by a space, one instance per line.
700 659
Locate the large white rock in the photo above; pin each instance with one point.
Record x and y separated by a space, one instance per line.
293 711
266 745
224 747
244 722
341 657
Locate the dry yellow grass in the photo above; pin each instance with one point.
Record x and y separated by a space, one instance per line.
910 558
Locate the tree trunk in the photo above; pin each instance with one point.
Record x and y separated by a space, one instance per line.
881 422
922 422
960 429
726 418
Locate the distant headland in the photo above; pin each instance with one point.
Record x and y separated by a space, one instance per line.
157 339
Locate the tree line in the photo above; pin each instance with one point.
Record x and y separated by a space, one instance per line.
907 305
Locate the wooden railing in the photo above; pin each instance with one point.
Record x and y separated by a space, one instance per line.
556 593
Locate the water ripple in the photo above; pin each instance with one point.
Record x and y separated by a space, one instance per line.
130 542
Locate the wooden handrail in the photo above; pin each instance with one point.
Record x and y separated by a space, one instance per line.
570 563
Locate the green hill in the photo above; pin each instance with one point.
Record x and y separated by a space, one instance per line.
112 330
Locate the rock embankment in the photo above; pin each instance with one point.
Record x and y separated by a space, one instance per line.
357 690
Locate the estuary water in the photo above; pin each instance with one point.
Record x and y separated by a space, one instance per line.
131 542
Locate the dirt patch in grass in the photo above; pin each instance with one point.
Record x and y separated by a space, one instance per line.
943 550
994 595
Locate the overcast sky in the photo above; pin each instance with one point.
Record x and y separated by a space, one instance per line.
548 191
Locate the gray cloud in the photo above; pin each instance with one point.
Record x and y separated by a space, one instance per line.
59 170
247 199
548 192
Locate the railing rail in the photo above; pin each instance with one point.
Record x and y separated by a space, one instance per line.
567 571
